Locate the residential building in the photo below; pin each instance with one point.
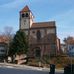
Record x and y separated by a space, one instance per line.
70 47
3 48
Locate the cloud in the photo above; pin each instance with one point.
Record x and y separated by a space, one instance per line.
12 4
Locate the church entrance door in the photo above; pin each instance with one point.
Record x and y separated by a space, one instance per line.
37 52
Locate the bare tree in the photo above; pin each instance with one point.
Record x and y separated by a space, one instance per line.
8 34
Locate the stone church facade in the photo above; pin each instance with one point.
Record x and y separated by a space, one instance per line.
42 35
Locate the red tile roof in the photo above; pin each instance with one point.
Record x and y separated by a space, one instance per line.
25 9
71 42
43 24
3 39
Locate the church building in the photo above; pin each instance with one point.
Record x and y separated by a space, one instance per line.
42 35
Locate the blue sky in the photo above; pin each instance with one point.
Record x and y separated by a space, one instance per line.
61 11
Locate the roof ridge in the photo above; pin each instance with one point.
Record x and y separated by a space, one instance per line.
45 22
25 9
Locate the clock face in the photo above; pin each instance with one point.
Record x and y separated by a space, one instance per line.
24 22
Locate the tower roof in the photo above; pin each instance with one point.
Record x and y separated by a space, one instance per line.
25 9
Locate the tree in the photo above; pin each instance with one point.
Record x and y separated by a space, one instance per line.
7 36
19 45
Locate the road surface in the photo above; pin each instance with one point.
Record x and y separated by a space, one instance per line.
25 70
20 71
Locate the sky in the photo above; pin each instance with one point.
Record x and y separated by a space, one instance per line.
60 11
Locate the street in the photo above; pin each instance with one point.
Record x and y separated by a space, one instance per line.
20 71
25 70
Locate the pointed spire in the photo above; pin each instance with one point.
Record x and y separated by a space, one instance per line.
25 9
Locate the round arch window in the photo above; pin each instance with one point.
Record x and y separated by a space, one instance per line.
26 14
38 35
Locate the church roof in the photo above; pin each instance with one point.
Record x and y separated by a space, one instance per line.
25 9
43 24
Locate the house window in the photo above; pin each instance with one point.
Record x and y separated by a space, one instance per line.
49 38
2 50
38 35
33 31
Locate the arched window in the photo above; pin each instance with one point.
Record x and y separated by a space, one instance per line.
38 35
26 15
23 15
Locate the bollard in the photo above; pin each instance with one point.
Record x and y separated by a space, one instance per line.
69 69
52 69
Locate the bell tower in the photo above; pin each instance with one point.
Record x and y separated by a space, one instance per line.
26 18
